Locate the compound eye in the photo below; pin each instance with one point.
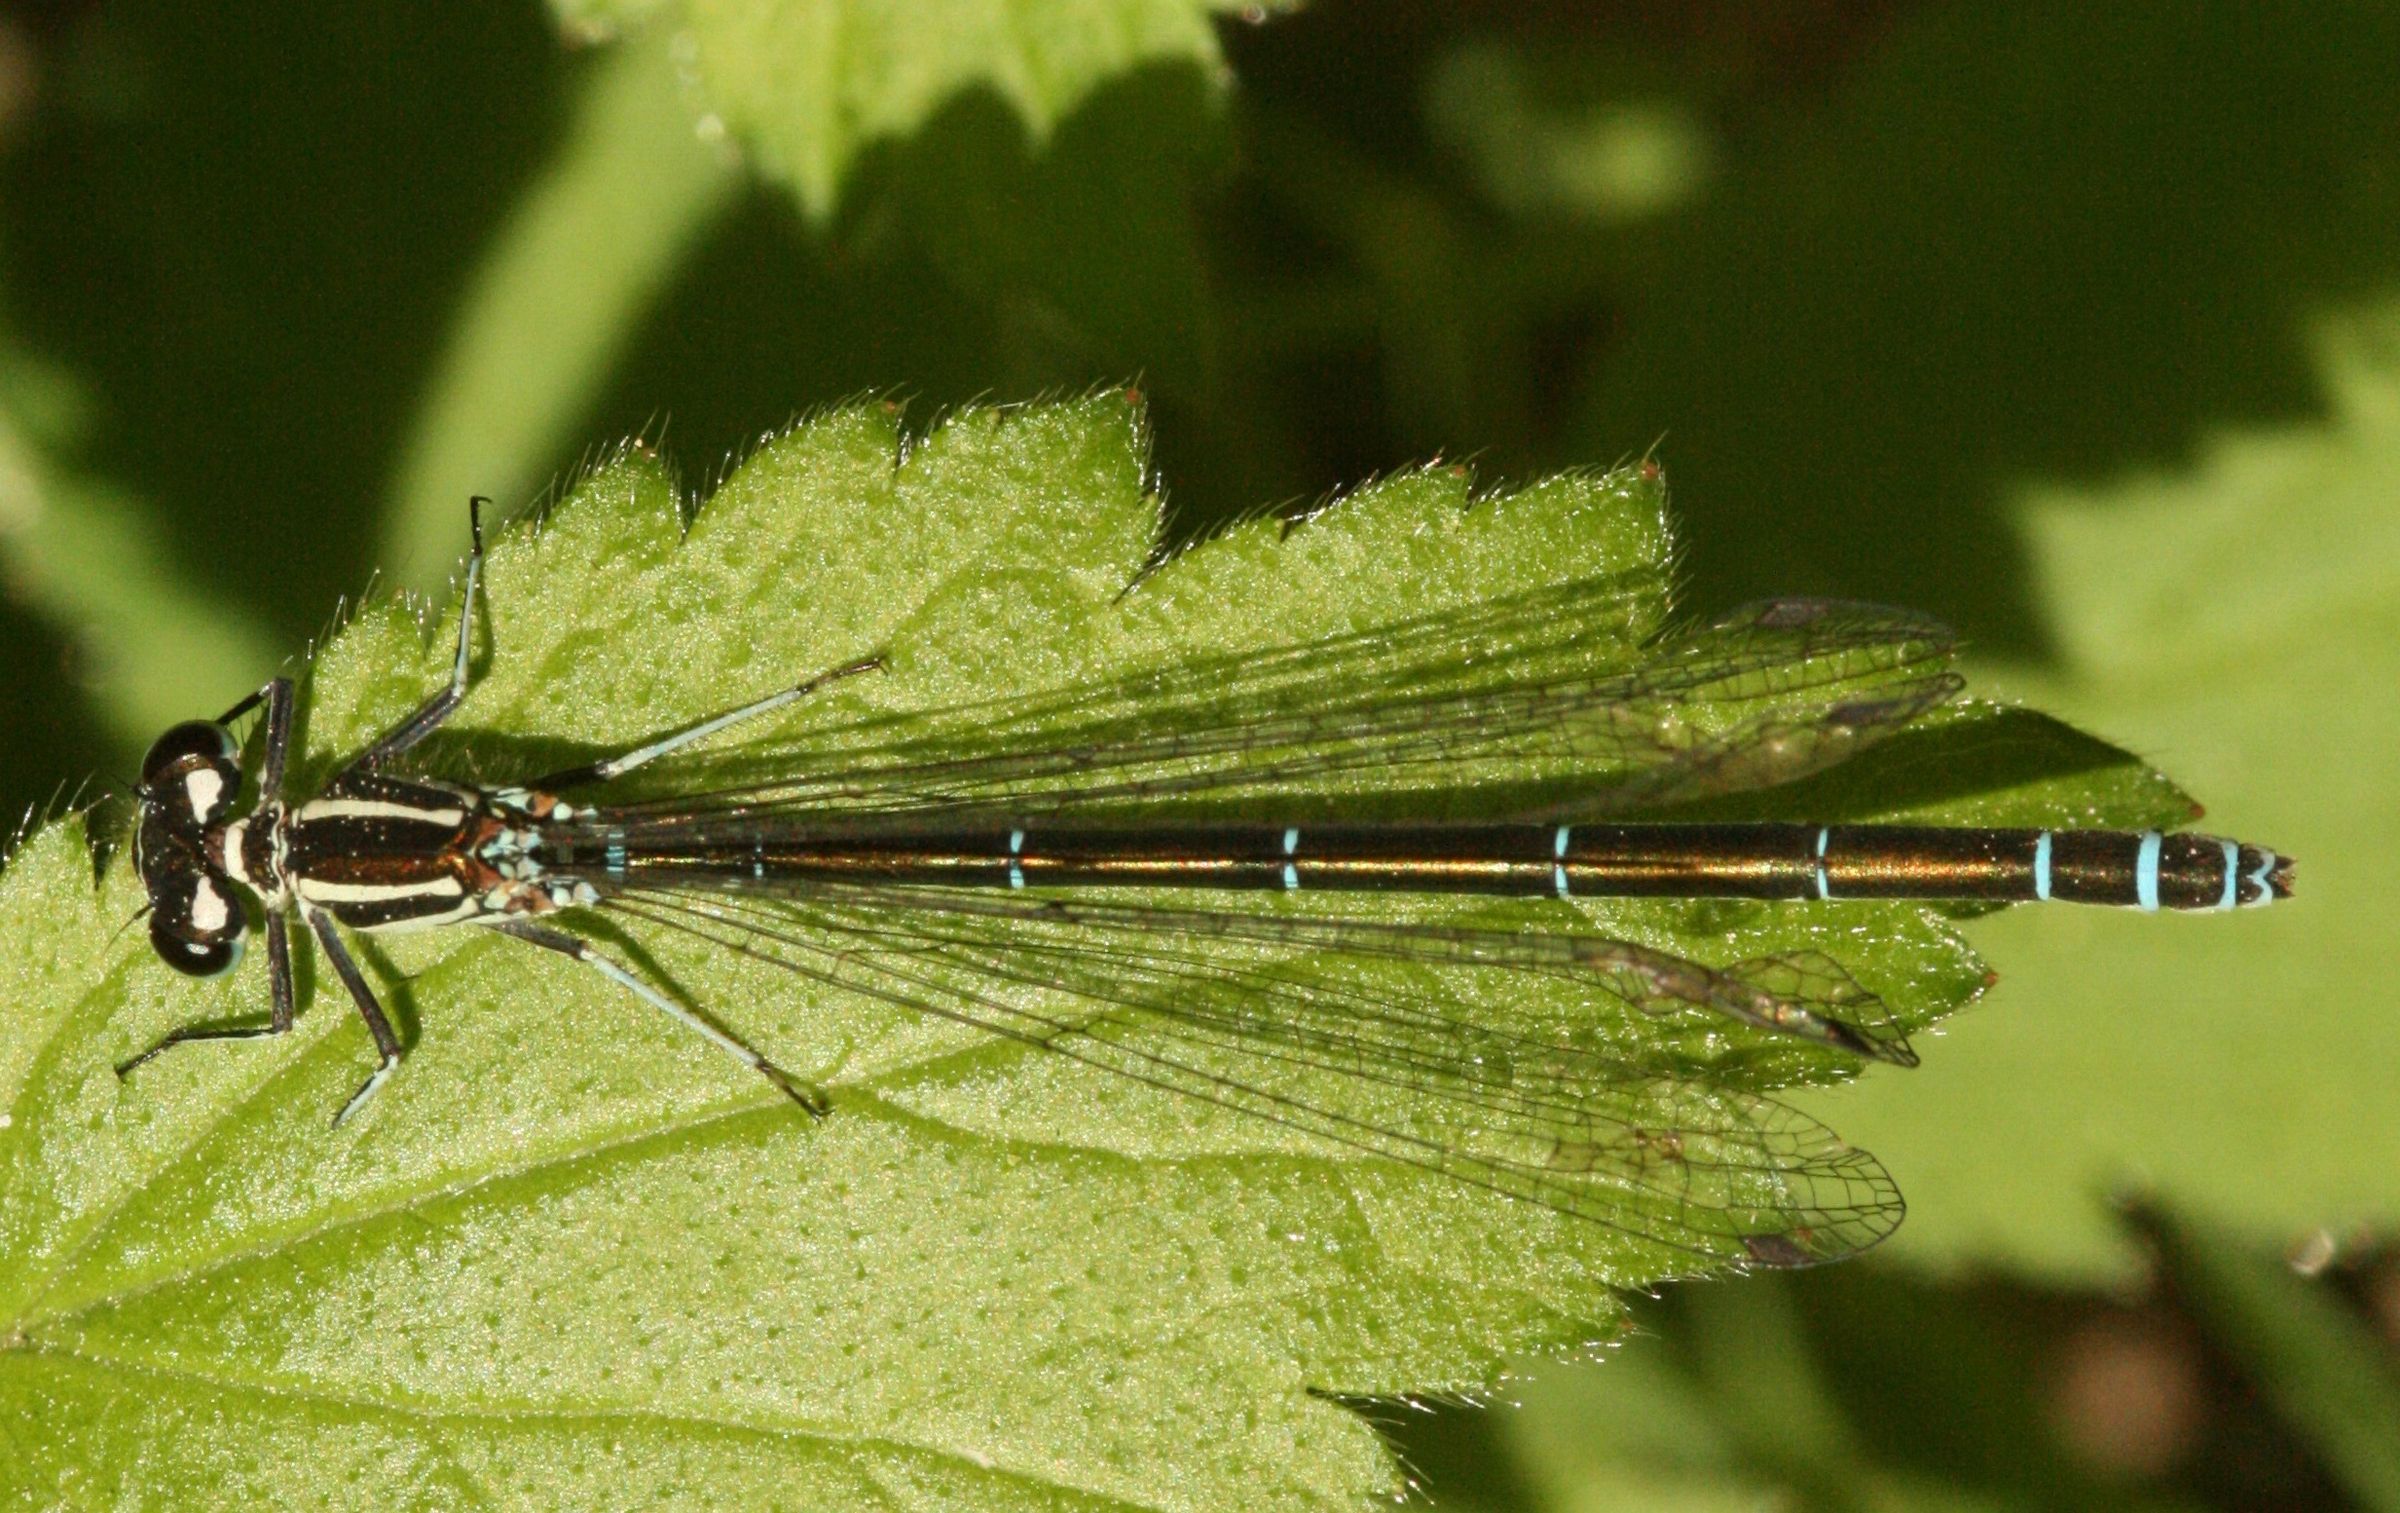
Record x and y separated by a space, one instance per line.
193 740
197 924
192 768
195 958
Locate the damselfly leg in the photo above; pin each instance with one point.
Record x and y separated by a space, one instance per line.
576 948
431 715
280 1014
387 1044
674 741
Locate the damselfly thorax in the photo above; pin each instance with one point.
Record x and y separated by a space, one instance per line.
914 881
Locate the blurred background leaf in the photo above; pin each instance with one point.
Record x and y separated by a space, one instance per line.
808 87
2072 325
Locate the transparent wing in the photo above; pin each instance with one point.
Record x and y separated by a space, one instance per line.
1536 698
1437 1048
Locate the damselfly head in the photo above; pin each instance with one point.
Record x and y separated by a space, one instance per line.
189 782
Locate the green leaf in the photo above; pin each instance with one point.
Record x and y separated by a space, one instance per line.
2237 1066
572 1253
808 85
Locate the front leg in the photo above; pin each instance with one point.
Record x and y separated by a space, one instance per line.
279 1022
434 711
276 695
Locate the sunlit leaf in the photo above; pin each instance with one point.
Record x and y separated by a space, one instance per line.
572 1248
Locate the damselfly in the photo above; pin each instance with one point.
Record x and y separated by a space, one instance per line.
1121 876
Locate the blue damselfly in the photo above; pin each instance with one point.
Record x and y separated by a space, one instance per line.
1144 859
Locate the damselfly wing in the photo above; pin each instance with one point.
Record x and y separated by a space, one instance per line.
1145 877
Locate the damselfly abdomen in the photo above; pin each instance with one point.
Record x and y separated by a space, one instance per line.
1097 892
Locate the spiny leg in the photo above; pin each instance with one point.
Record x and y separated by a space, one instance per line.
279 1022
277 697
575 946
435 710
386 1042
624 762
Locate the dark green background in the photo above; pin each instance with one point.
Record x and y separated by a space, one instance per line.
1896 263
